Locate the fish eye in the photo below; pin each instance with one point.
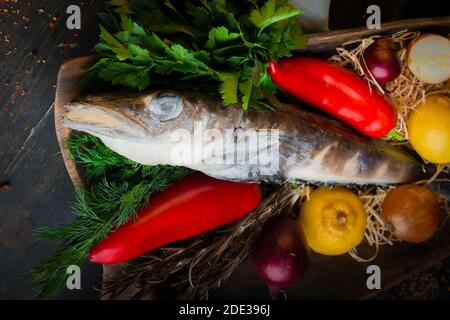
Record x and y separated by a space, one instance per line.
166 108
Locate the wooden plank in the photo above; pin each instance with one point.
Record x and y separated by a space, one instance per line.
69 77
327 42
325 279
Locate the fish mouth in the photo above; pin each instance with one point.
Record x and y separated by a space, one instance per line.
101 120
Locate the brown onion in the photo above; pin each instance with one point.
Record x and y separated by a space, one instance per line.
413 211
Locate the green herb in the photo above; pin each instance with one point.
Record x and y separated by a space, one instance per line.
396 136
226 44
118 189
295 185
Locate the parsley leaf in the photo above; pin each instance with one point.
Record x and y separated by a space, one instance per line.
129 25
219 35
229 87
224 45
272 13
126 74
114 45
140 56
246 86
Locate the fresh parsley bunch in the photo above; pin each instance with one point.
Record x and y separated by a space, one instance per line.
187 44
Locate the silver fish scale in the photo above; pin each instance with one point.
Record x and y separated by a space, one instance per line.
307 147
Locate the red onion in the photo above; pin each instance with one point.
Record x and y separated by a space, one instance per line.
382 61
280 256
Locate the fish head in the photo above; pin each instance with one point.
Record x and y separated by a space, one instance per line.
133 116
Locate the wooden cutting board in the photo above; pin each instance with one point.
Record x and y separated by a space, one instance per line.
328 277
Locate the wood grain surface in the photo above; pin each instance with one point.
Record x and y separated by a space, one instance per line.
34 42
67 89
326 42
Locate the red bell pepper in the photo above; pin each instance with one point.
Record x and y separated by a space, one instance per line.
337 91
188 207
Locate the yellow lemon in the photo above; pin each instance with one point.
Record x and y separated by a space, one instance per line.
334 221
429 129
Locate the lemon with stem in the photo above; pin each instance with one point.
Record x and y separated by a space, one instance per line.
334 221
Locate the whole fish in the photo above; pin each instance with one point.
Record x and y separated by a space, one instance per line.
199 132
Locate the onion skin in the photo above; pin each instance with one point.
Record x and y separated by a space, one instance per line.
413 211
280 256
382 61
427 58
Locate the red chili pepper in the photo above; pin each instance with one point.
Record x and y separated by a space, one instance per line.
188 207
337 91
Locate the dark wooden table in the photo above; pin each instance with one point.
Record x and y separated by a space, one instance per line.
34 41
35 189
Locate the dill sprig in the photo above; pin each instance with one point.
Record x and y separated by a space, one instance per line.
118 188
